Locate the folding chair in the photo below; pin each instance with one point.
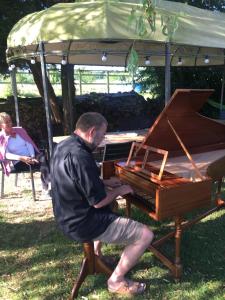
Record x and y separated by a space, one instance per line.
13 171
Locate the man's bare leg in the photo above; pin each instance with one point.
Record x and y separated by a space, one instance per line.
130 257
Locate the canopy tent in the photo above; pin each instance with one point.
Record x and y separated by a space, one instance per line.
79 33
82 31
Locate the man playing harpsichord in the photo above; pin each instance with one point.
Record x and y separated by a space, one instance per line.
81 202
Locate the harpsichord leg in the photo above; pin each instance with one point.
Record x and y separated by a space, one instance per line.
177 263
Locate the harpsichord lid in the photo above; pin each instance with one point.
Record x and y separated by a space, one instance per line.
182 112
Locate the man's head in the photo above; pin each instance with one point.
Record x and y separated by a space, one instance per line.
5 122
91 126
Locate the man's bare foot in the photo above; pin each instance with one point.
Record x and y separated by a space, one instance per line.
126 287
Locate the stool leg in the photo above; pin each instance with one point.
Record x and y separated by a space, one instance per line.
91 264
83 274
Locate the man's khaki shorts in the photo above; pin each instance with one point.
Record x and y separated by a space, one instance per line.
122 231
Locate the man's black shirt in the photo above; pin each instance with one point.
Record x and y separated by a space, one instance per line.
76 187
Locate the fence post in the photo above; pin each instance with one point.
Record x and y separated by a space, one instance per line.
80 82
108 84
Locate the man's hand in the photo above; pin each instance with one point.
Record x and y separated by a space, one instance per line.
122 190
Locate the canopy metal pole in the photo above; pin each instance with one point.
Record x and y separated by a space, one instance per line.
167 73
14 89
71 94
46 96
222 88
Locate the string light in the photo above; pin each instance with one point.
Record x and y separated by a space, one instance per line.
11 67
147 61
206 59
104 56
33 61
180 62
64 61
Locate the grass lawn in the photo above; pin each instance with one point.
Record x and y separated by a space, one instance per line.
37 262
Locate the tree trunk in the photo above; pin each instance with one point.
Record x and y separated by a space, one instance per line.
68 94
55 111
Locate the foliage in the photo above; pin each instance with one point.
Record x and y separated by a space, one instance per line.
11 11
54 76
169 25
206 4
6 90
89 77
22 77
139 17
144 18
153 80
132 61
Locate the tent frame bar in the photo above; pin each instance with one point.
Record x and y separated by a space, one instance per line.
167 73
223 85
46 96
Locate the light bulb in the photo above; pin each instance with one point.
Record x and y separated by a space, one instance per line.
32 61
147 61
104 56
180 62
206 59
64 61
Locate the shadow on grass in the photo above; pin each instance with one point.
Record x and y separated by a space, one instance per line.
49 262
39 253
24 235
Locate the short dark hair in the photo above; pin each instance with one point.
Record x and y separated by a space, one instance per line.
90 119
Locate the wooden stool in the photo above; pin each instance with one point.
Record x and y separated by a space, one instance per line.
91 264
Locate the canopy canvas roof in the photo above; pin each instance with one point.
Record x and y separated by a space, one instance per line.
82 31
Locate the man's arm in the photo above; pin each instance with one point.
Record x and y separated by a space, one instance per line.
111 195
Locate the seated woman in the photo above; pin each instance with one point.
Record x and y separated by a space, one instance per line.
18 147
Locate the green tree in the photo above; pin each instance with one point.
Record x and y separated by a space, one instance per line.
205 4
11 11
152 79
